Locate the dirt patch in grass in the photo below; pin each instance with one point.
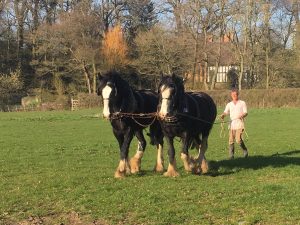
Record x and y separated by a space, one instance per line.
72 218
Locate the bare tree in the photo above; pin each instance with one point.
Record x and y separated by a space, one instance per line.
200 21
20 10
76 39
221 17
161 51
266 38
240 29
177 10
296 13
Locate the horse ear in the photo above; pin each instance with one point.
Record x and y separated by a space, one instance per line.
161 75
173 75
185 78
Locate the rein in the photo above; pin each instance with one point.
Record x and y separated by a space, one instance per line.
154 116
170 119
135 116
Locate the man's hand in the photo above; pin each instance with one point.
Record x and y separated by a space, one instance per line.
243 115
222 116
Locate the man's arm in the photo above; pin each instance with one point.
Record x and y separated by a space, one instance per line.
226 112
245 113
223 115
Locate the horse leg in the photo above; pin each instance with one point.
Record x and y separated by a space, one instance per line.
171 172
159 166
185 154
124 167
158 140
135 161
201 163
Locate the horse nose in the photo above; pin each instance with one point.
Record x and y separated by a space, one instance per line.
162 115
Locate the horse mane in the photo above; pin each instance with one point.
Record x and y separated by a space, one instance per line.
121 84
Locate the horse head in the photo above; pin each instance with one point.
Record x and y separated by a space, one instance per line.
110 87
171 93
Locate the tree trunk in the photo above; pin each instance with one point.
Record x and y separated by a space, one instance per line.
20 12
241 71
296 12
87 77
195 60
267 40
267 65
176 4
205 61
217 63
94 78
35 16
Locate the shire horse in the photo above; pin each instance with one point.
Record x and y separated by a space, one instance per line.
122 105
188 115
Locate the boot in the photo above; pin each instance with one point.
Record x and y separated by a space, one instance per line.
245 151
231 151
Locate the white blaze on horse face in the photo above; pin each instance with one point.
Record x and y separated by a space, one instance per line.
165 103
105 95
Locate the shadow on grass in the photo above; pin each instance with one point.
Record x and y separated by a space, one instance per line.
225 167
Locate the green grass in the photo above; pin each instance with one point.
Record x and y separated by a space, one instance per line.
56 163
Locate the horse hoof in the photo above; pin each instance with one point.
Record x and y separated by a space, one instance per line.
204 168
134 170
159 168
187 162
171 174
119 174
135 165
188 169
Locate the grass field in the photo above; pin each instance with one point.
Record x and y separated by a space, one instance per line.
58 167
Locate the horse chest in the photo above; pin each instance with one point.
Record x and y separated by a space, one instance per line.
173 129
119 124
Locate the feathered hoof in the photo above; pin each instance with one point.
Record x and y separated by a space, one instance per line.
123 169
172 173
159 168
187 162
204 167
188 167
122 174
135 165
119 174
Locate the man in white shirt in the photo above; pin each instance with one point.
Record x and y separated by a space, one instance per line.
237 110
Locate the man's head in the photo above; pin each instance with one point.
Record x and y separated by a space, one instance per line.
234 94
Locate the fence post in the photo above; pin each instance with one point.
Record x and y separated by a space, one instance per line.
74 104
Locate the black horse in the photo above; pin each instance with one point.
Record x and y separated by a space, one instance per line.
189 116
128 111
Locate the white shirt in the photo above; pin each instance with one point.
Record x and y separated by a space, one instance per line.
236 111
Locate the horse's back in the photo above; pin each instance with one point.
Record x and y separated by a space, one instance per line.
148 93
148 100
206 105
